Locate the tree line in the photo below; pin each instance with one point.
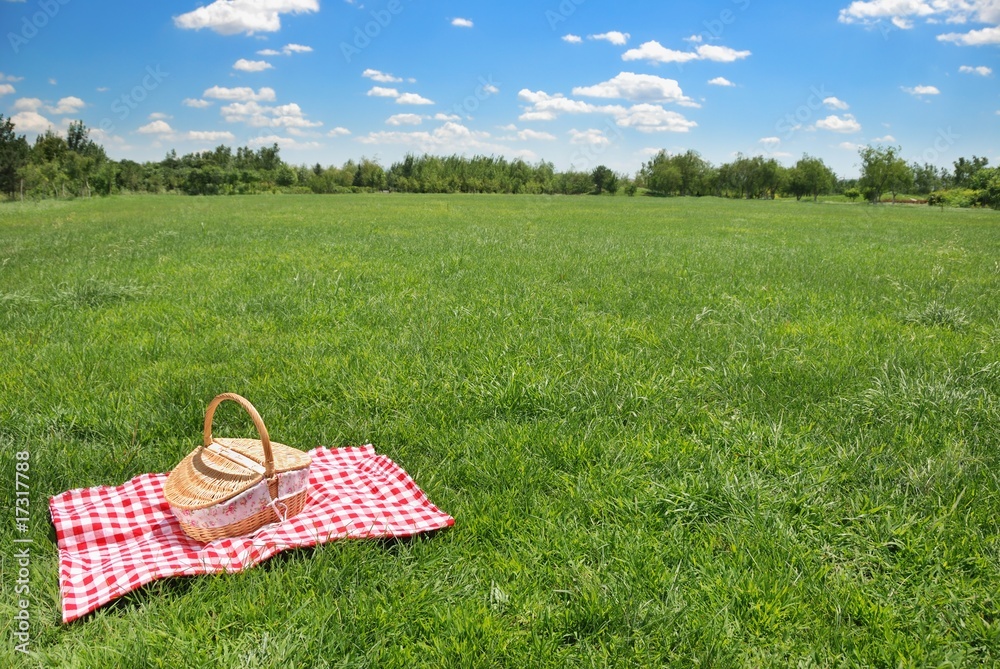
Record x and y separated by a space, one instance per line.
57 166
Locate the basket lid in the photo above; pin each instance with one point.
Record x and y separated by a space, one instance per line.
222 470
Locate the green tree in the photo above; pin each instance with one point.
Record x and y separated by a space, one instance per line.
14 152
883 170
129 176
987 182
965 170
602 178
369 175
770 176
661 175
78 141
811 176
614 183
694 171
286 176
927 178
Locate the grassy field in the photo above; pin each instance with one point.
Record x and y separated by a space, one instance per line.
673 432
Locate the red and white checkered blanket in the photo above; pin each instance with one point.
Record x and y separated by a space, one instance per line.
113 540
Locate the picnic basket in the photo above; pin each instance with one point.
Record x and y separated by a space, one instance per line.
231 487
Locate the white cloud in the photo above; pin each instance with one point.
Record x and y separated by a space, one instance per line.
538 116
986 36
638 88
654 118
383 92
10 77
720 54
244 65
381 77
902 13
405 119
196 104
241 94
286 50
695 39
210 136
770 142
155 116
106 138
720 81
449 137
982 70
545 107
440 116
613 36
528 135
591 137
921 90
461 23
413 99
655 52
283 142
231 17
30 121
849 146
888 139
643 117
67 105
338 132
868 12
156 128
572 39
845 124
7 89
27 104
836 103
262 116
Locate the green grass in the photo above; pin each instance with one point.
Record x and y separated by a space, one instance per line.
673 432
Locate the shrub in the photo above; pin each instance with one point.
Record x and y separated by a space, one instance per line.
963 197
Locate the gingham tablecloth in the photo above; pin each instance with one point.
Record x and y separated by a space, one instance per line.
113 540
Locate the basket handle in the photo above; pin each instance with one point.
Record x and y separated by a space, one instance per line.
258 423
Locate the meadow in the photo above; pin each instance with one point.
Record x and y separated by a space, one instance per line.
672 432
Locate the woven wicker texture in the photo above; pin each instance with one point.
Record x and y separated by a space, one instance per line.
205 478
221 469
289 508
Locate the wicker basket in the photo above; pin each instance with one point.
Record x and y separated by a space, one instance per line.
231 487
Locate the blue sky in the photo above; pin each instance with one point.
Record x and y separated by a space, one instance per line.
575 82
